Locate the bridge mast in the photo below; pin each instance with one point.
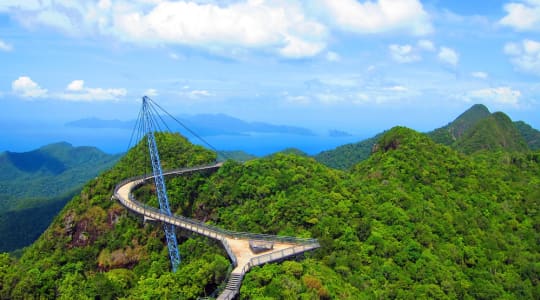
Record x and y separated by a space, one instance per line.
170 232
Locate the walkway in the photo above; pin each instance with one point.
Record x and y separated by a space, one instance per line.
237 244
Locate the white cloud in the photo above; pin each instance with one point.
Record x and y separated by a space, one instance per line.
288 28
426 45
332 56
25 87
75 86
403 53
449 56
55 19
480 75
525 56
278 25
76 91
151 92
281 27
522 16
298 48
498 95
378 16
5 46
197 94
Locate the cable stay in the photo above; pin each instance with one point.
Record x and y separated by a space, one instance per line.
158 114
149 121
264 248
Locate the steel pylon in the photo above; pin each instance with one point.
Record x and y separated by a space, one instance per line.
170 230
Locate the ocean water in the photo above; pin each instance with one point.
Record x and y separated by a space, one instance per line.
25 138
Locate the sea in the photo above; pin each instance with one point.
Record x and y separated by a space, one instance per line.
21 138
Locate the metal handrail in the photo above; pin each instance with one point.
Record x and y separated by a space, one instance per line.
302 244
211 228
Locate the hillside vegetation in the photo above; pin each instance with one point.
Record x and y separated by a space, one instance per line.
30 177
531 135
35 185
415 220
346 156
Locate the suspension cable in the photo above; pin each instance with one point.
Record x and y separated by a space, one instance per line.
188 129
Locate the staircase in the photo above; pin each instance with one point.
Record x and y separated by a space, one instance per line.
232 288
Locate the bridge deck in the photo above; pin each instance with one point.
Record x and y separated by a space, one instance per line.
236 243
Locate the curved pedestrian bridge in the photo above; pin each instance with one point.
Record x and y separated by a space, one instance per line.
244 249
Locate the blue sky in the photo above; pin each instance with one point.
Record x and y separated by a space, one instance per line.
359 66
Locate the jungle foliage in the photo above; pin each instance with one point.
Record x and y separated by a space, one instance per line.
35 185
414 220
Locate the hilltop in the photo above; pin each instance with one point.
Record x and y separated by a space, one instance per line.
346 156
495 132
415 220
476 129
450 133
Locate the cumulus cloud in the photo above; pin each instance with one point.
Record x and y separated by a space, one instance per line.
403 53
76 91
448 56
378 16
525 56
283 27
480 75
287 28
499 95
522 16
25 87
411 53
5 46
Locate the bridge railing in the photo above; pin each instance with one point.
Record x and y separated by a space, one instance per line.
213 231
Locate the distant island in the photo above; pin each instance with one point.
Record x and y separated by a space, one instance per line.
204 124
338 133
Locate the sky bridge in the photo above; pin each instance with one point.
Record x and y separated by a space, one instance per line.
245 250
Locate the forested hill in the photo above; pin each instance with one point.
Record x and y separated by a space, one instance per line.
415 220
477 129
47 172
531 135
35 185
474 130
346 156
448 134
492 133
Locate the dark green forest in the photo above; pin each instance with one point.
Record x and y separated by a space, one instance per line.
35 185
416 219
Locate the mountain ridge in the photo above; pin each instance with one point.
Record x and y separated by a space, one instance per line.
476 129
